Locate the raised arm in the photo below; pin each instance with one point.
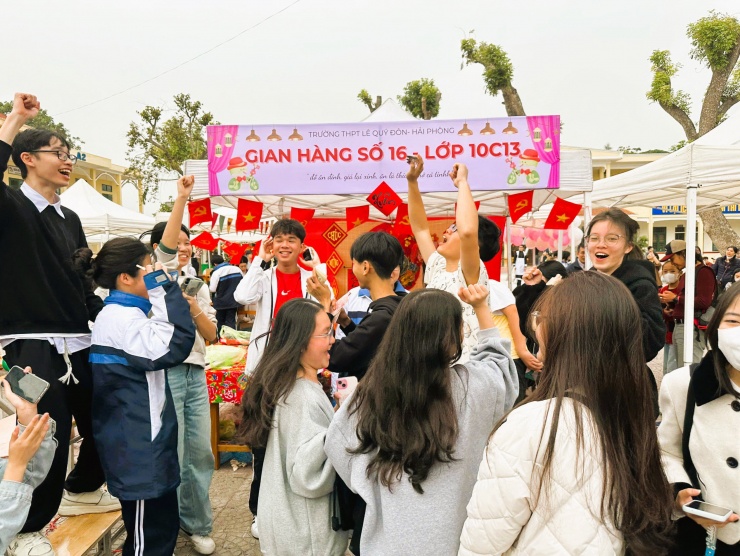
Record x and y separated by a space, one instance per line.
466 220
25 107
172 230
417 214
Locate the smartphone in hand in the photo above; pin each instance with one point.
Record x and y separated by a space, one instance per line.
25 385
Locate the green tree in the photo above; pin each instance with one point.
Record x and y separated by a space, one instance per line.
715 41
421 98
44 121
365 98
498 72
157 146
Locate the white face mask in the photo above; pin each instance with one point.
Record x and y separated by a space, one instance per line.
728 342
668 278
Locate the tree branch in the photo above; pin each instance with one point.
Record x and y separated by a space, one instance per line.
682 118
710 108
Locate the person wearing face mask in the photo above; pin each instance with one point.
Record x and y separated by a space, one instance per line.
698 434
704 293
671 279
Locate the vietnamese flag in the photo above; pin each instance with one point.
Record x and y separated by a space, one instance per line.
302 215
520 204
200 211
248 215
205 241
562 214
357 216
384 199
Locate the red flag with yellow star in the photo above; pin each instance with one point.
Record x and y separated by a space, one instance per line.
562 214
520 204
248 214
200 211
357 216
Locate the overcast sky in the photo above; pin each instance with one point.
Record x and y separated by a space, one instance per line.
583 59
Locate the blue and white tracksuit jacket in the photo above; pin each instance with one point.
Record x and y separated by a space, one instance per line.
133 416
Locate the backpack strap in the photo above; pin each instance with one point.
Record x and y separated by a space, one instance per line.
688 422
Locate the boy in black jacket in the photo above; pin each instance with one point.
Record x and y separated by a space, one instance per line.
376 263
44 318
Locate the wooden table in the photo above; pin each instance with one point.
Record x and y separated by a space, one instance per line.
226 386
77 535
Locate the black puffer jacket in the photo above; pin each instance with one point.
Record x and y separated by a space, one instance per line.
639 277
725 269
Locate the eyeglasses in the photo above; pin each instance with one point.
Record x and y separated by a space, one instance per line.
61 155
609 239
328 335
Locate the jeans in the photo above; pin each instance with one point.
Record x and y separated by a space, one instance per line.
697 348
669 358
189 392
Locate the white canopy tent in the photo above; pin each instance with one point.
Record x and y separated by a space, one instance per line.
704 173
101 218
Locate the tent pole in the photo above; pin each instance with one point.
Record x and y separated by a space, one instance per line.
573 245
586 221
560 246
509 262
690 274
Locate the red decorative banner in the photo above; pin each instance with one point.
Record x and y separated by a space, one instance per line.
248 215
562 214
205 241
357 216
302 215
384 199
200 211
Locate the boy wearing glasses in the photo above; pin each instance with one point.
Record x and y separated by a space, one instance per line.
44 317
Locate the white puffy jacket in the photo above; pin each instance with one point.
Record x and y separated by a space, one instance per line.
501 518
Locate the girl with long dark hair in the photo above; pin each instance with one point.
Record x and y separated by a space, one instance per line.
575 468
410 438
286 412
698 434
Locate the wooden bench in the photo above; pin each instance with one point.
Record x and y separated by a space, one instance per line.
77 535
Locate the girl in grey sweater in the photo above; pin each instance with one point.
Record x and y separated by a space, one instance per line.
286 411
410 439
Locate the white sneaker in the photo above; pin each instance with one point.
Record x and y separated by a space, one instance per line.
202 544
255 532
96 502
30 544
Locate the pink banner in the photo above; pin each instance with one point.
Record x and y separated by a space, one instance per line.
512 154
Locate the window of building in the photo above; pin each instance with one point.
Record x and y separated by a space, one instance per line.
108 188
108 196
680 232
659 238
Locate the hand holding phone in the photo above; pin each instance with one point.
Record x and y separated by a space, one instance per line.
23 390
708 511
191 285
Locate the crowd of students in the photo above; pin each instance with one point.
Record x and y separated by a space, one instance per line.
483 421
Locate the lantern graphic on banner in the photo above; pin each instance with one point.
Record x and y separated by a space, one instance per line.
537 135
465 130
548 145
252 137
228 140
219 150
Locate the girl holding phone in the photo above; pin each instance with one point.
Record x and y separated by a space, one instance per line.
287 413
187 382
575 468
701 452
